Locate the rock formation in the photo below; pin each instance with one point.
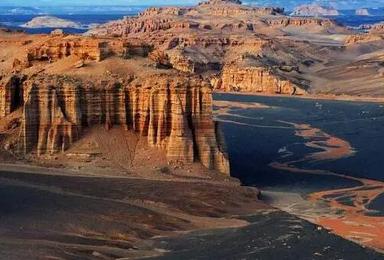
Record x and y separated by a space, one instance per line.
206 38
155 73
174 112
299 21
61 47
254 79
314 10
11 95
58 47
374 33
363 38
50 22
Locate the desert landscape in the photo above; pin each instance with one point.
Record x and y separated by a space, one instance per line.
166 135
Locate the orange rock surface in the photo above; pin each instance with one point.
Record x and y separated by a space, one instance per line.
154 74
174 113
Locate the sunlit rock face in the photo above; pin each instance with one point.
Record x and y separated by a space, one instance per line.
173 112
155 73
253 79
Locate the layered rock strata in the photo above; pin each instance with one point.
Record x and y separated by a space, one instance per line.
204 39
374 33
299 21
59 47
363 38
11 94
254 79
150 74
174 113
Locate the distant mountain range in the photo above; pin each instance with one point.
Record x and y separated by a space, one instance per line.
69 10
136 6
337 4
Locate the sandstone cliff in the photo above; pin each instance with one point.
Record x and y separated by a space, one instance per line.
299 21
254 79
50 22
59 47
150 74
11 95
174 113
363 38
374 33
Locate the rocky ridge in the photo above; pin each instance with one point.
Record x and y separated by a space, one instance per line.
50 22
314 10
214 35
375 33
173 113
154 74
172 110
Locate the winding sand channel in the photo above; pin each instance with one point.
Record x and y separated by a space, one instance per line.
350 215
344 211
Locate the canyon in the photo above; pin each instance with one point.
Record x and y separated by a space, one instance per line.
155 73
172 110
117 127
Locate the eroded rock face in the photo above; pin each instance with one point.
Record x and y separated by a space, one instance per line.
150 74
174 113
314 10
204 39
11 94
363 38
234 8
374 33
60 47
254 79
50 22
299 21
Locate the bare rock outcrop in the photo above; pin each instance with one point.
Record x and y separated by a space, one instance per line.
165 11
174 113
234 8
50 22
374 33
299 21
11 94
85 48
60 47
314 10
254 79
363 38
150 74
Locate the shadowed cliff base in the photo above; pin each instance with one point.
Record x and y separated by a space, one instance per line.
128 108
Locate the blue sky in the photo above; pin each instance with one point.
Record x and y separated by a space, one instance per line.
284 3
90 2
